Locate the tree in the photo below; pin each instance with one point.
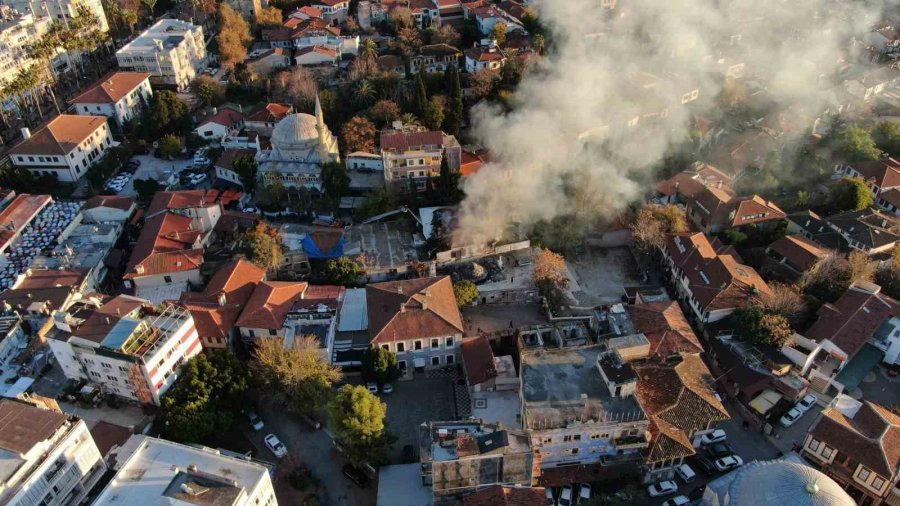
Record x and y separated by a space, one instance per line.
384 112
167 113
454 116
861 268
207 90
887 137
409 41
151 4
759 327
364 93
550 271
851 194
266 245
655 221
204 399
828 278
498 33
301 373
297 86
247 168
146 188
887 276
421 93
269 17
359 135
484 81
782 299
234 36
169 145
465 291
733 95
368 50
379 364
434 112
445 34
335 180
538 42
401 18
357 419
853 143
448 184
343 271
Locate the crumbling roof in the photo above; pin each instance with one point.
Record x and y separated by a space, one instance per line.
478 359
665 326
870 437
412 309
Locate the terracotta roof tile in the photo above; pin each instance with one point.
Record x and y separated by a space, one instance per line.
412 309
405 141
271 113
213 321
665 326
19 213
226 117
60 136
870 437
885 173
478 359
237 280
800 252
853 319
164 245
111 201
269 304
182 199
111 88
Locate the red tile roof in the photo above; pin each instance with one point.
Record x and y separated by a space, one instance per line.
183 199
111 88
406 141
213 321
483 54
665 326
852 319
18 214
101 321
885 173
478 359
237 279
52 278
870 437
322 50
471 163
111 201
166 244
60 136
754 209
229 156
271 113
226 117
800 252
270 303
329 3
499 495
412 309
309 11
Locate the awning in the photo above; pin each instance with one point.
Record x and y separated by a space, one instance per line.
419 362
764 401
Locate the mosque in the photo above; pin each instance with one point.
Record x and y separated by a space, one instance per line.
301 144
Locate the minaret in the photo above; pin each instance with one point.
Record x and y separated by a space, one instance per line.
325 140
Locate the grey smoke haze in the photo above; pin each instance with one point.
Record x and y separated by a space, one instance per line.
569 131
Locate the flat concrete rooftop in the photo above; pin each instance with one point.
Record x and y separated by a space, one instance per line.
564 385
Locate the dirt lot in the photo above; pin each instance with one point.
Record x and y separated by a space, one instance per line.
599 275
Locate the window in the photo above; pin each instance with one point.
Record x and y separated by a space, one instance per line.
401 347
450 359
573 451
863 474
273 332
401 364
167 279
595 436
106 365
95 374
877 483
251 333
826 452
417 345
813 445
386 347
435 360
576 437
548 440
566 439
435 343
448 342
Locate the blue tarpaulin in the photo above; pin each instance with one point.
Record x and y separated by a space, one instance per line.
324 244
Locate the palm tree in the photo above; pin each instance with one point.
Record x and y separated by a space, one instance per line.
409 118
368 49
364 94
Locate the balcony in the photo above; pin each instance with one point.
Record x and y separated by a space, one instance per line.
629 442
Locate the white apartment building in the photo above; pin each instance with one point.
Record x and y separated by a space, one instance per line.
17 30
411 158
61 10
123 346
156 471
48 458
172 51
119 96
65 147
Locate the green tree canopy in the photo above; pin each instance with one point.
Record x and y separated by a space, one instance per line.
853 143
208 91
379 364
357 419
757 326
343 271
266 246
887 137
301 373
146 188
168 114
465 292
169 145
203 401
247 168
335 180
851 194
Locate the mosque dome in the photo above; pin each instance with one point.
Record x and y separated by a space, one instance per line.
296 131
785 482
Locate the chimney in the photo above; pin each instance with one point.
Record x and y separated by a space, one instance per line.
107 320
192 468
215 110
26 133
222 300
402 308
400 289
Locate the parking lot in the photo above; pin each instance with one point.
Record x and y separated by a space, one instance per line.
154 168
413 403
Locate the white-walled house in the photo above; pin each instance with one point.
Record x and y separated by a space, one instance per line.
333 11
172 51
65 147
483 58
120 96
223 123
167 254
124 346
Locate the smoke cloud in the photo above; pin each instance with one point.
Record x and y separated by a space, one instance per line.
615 96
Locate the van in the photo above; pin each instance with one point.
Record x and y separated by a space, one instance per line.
687 474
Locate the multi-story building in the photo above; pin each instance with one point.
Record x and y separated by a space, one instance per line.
172 51
411 158
485 57
435 58
333 11
201 206
166 258
49 457
64 148
123 346
857 444
156 471
120 96
579 407
62 10
17 30
37 293
459 458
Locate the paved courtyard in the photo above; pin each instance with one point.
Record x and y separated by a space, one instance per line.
496 317
598 276
154 168
878 387
411 404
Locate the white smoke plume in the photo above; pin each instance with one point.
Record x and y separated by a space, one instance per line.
571 145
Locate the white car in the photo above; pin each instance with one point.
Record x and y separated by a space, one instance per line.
678 500
806 403
551 501
687 474
373 387
255 421
387 388
565 497
276 446
728 463
584 492
662 488
791 417
716 436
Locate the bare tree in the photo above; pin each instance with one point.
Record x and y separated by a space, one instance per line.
655 221
298 86
782 299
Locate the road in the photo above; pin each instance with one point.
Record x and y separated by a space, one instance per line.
314 449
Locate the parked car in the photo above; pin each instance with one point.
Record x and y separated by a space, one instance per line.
387 388
565 497
719 450
584 492
373 387
678 500
806 403
662 488
255 421
551 501
716 436
687 474
728 463
791 417
705 464
356 475
277 447
697 493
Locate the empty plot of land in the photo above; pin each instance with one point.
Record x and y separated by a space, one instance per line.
388 243
600 275
415 402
